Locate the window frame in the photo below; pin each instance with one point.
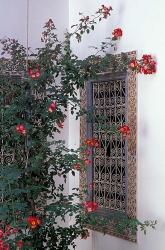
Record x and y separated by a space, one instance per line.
85 132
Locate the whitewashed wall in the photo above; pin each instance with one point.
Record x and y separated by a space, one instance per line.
143 27
13 18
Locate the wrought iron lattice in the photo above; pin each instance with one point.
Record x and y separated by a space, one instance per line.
7 154
109 160
8 81
13 152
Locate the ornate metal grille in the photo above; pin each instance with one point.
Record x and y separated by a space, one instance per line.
109 101
7 81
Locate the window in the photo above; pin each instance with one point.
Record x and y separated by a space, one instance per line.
107 99
111 102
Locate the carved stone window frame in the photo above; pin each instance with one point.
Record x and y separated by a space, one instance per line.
132 143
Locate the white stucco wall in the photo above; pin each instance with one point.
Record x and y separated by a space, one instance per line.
143 27
13 18
143 30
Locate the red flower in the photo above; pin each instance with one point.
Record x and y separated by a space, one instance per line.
33 221
106 11
38 73
124 130
77 166
1 233
88 142
87 152
87 161
34 73
20 128
146 59
117 33
8 230
90 206
134 65
20 244
92 142
6 247
52 107
148 65
1 244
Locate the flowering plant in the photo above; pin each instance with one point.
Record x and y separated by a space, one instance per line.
146 65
